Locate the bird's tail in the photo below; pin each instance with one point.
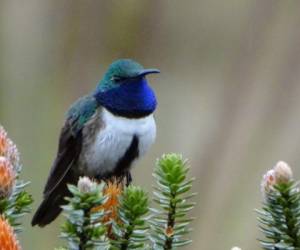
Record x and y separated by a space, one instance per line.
50 207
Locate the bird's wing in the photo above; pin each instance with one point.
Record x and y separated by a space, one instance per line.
70 141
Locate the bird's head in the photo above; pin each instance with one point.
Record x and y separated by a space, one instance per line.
125 91
123 71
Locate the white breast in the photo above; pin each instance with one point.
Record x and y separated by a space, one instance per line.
114 138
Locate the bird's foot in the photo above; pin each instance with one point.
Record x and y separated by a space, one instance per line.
128 178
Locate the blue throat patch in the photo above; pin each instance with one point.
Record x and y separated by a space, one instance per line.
132 99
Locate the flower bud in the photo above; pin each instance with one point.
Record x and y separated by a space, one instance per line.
85 184
169 232
268 181
7 177
283 172
8 240
280 174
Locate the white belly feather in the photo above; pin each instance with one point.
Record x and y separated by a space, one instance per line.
114 138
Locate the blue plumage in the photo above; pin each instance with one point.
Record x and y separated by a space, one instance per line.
133 97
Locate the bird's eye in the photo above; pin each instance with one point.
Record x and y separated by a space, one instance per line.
116 79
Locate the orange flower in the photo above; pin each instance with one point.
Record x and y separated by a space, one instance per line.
8 240
112 191
7 177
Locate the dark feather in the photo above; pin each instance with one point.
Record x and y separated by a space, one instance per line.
64 169
132 152
68 152
61 174
50 207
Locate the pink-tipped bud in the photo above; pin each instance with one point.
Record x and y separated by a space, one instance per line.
268 181
279 174
85 184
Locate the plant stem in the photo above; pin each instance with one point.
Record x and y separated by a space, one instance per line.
127 236
82 236
171 224
290 218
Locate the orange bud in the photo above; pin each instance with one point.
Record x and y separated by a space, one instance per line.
112 191
7 177
169 231
8 240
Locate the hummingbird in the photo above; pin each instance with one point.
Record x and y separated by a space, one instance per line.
104 134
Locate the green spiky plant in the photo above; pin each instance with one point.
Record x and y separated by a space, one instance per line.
172 194
280 215
130 231
83 228
136 226
16 205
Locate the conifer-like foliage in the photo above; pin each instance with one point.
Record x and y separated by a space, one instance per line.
16 205
130 231
97 219
83 228
170 223
280 216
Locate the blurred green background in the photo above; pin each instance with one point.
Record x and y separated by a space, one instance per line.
229 94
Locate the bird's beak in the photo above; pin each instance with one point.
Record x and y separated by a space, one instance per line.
148 71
